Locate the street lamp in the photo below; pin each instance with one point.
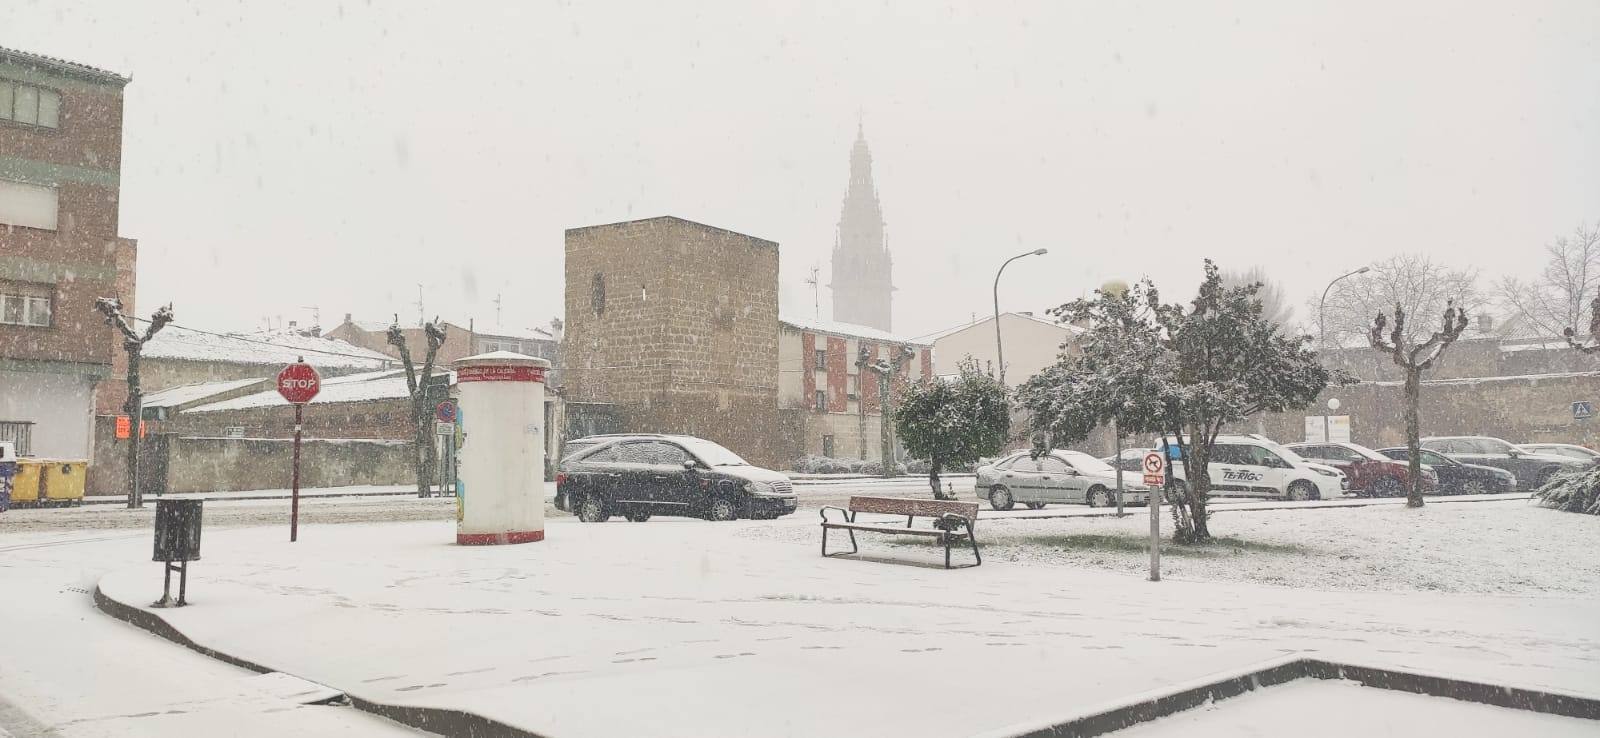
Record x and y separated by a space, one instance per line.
999 352
1322 306
1327 420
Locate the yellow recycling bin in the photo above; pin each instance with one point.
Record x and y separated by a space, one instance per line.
48 482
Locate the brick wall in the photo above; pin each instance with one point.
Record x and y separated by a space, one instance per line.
838 375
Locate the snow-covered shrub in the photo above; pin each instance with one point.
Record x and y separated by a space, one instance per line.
1578 492
812 464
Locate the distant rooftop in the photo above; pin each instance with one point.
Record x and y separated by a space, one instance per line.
1065 327
674 218
62 66
848 330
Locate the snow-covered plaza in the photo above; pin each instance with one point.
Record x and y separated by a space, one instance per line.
679 627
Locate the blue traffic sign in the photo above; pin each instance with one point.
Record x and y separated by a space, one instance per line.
1582 410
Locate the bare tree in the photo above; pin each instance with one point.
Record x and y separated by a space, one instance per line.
133 342
1275 307
1415 358
1556 299
425 458
1418 284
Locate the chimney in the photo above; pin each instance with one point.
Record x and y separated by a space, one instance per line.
347 317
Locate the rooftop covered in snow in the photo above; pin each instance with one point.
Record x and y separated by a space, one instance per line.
265 348
389 384
848 330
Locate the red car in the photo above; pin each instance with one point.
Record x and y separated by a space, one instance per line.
1371 474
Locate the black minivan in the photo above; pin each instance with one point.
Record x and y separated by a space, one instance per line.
640 475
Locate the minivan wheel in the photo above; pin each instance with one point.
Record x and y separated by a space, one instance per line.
1473 487
1000 498
638 517
723 508
1301 491
1098 497
593 509
1385 487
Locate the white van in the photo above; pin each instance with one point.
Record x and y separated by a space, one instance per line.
1253 466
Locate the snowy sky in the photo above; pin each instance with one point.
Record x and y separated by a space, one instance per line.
293 153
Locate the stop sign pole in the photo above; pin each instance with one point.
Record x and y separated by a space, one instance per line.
298 383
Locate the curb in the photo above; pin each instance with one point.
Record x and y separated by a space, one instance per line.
1183 697
427 719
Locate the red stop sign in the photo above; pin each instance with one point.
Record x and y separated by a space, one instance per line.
298 383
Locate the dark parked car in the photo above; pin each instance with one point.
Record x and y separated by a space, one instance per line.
1531 470
1456 478
1371 474
640 475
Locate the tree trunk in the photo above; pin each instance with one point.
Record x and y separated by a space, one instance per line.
134 407
1414 435
933 479
1197 467
419 454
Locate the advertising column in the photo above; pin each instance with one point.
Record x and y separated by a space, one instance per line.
500 487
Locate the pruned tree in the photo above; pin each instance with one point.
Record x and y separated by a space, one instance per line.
425 458
1417 283
1556 299
954 421
1414 358
133 342
1275 305
1592 343
1184 372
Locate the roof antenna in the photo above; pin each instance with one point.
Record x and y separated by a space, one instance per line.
816 300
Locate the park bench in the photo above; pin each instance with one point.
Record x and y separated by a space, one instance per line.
953 522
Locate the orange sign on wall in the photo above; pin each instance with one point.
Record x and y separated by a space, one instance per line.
125 427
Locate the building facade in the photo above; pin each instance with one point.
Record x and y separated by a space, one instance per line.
60 172
863 270
821 378
1032 344
675 324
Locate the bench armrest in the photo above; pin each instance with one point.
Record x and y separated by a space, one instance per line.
843 513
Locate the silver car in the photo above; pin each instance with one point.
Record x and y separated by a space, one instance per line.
1060 476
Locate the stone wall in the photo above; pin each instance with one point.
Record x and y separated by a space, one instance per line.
233 464
1519 409
677 324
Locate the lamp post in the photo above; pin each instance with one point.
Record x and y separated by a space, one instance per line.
1322 305
999 352
1327 420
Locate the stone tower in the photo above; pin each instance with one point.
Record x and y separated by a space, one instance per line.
862 284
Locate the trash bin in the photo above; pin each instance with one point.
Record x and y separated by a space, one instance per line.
63 482
178 530
177 543
8 470
25 485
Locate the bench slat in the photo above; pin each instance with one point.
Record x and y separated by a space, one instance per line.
892 529
916 506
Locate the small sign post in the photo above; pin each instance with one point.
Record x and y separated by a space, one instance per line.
298 383
1156 464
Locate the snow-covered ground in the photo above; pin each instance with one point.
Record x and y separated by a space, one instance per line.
1506 547
679 627
69 671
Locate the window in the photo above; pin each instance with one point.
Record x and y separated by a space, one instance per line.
602 456
35 106
1263 457
28 205
1492 446
1430 458
820 359
666 454
634 453
1228 454
827 446
822 401
1053 465
22 303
